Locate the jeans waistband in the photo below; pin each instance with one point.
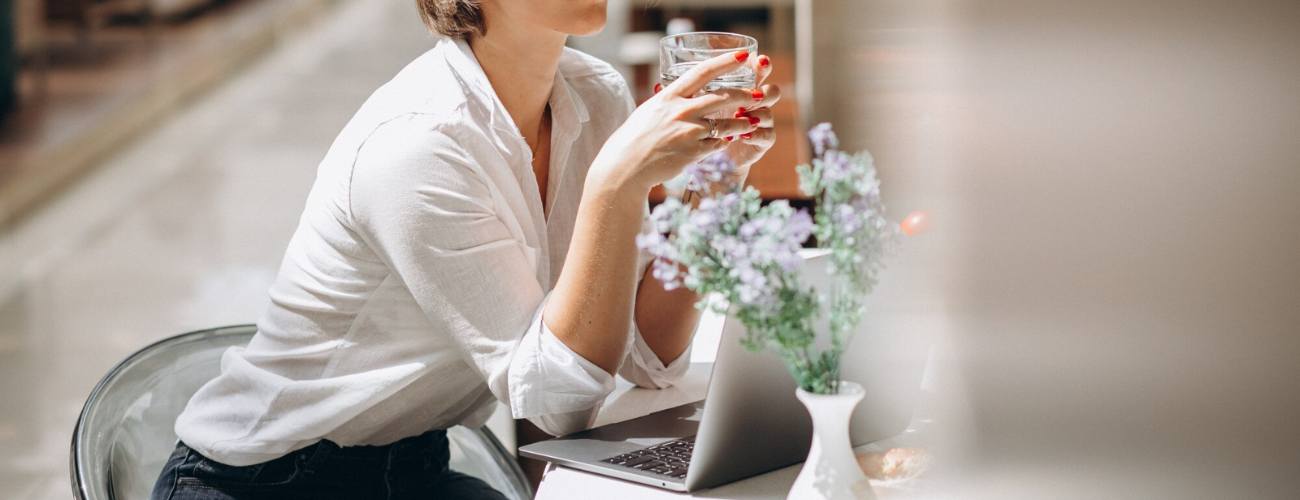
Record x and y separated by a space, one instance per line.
319 452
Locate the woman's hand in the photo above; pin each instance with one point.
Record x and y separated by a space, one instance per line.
749 147
670 130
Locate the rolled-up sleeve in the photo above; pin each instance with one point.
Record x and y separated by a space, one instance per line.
417 196
547 377
643 367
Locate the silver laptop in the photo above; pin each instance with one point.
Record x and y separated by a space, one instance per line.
749 421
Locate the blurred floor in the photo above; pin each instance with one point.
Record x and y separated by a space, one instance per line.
184 230
99 92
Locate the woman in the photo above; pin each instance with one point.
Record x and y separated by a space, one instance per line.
470 238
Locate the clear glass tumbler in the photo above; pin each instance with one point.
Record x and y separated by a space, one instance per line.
679 53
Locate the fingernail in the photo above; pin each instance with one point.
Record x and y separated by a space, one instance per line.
658 87
743 110
758 95
746 136
752 120
730 138
764 61
742 55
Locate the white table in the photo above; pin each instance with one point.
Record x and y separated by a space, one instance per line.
628 402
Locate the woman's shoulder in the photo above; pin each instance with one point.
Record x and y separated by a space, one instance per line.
426 111
420 144
413 158
427 84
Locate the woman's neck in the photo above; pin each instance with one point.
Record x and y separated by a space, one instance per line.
520 61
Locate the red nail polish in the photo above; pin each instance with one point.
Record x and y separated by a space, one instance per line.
758 95
746 136
752 120
742 55
764 61
743 110
730 138
658 87
740 114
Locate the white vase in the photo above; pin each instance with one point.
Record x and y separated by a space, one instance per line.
832 471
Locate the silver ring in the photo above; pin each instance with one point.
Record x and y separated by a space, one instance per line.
713 128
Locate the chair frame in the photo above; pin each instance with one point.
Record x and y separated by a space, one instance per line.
79 434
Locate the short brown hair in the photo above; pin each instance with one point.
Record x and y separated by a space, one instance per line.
453 18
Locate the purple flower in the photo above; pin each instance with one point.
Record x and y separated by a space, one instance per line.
789 238
753 288
667 215
836 166
800 227
667 272
823 139
715 168
763 248
846 219
651 242
665 253
712 213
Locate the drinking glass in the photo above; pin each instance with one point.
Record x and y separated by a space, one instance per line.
679 53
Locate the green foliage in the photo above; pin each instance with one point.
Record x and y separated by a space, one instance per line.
734 246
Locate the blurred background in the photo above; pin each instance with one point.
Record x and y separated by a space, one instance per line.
1111 279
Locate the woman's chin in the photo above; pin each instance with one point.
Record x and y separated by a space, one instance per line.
589 32
589 26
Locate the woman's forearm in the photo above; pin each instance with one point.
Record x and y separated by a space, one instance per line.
667 319
590 309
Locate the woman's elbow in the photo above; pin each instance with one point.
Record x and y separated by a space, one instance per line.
645 380
563 424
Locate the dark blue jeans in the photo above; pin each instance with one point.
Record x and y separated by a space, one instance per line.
414 467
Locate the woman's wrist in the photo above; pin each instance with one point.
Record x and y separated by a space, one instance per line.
612 192
615 180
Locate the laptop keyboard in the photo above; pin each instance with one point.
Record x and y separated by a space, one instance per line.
666 459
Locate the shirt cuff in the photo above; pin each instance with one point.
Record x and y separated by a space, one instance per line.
643 367
547 377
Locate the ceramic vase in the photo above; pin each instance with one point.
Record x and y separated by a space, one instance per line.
831 471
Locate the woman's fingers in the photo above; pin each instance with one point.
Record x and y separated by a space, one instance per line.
761 117
729 127
727 100
763 137
711 146
766 96
762 68
704 72
731 100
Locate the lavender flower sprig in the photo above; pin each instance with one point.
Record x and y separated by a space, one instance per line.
714 169
747 252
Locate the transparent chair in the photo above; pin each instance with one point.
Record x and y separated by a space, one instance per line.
125 435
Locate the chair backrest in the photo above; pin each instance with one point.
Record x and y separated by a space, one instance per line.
125 432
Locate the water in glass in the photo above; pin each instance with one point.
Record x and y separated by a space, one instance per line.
743 78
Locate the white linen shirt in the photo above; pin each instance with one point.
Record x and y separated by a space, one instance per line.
411 294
